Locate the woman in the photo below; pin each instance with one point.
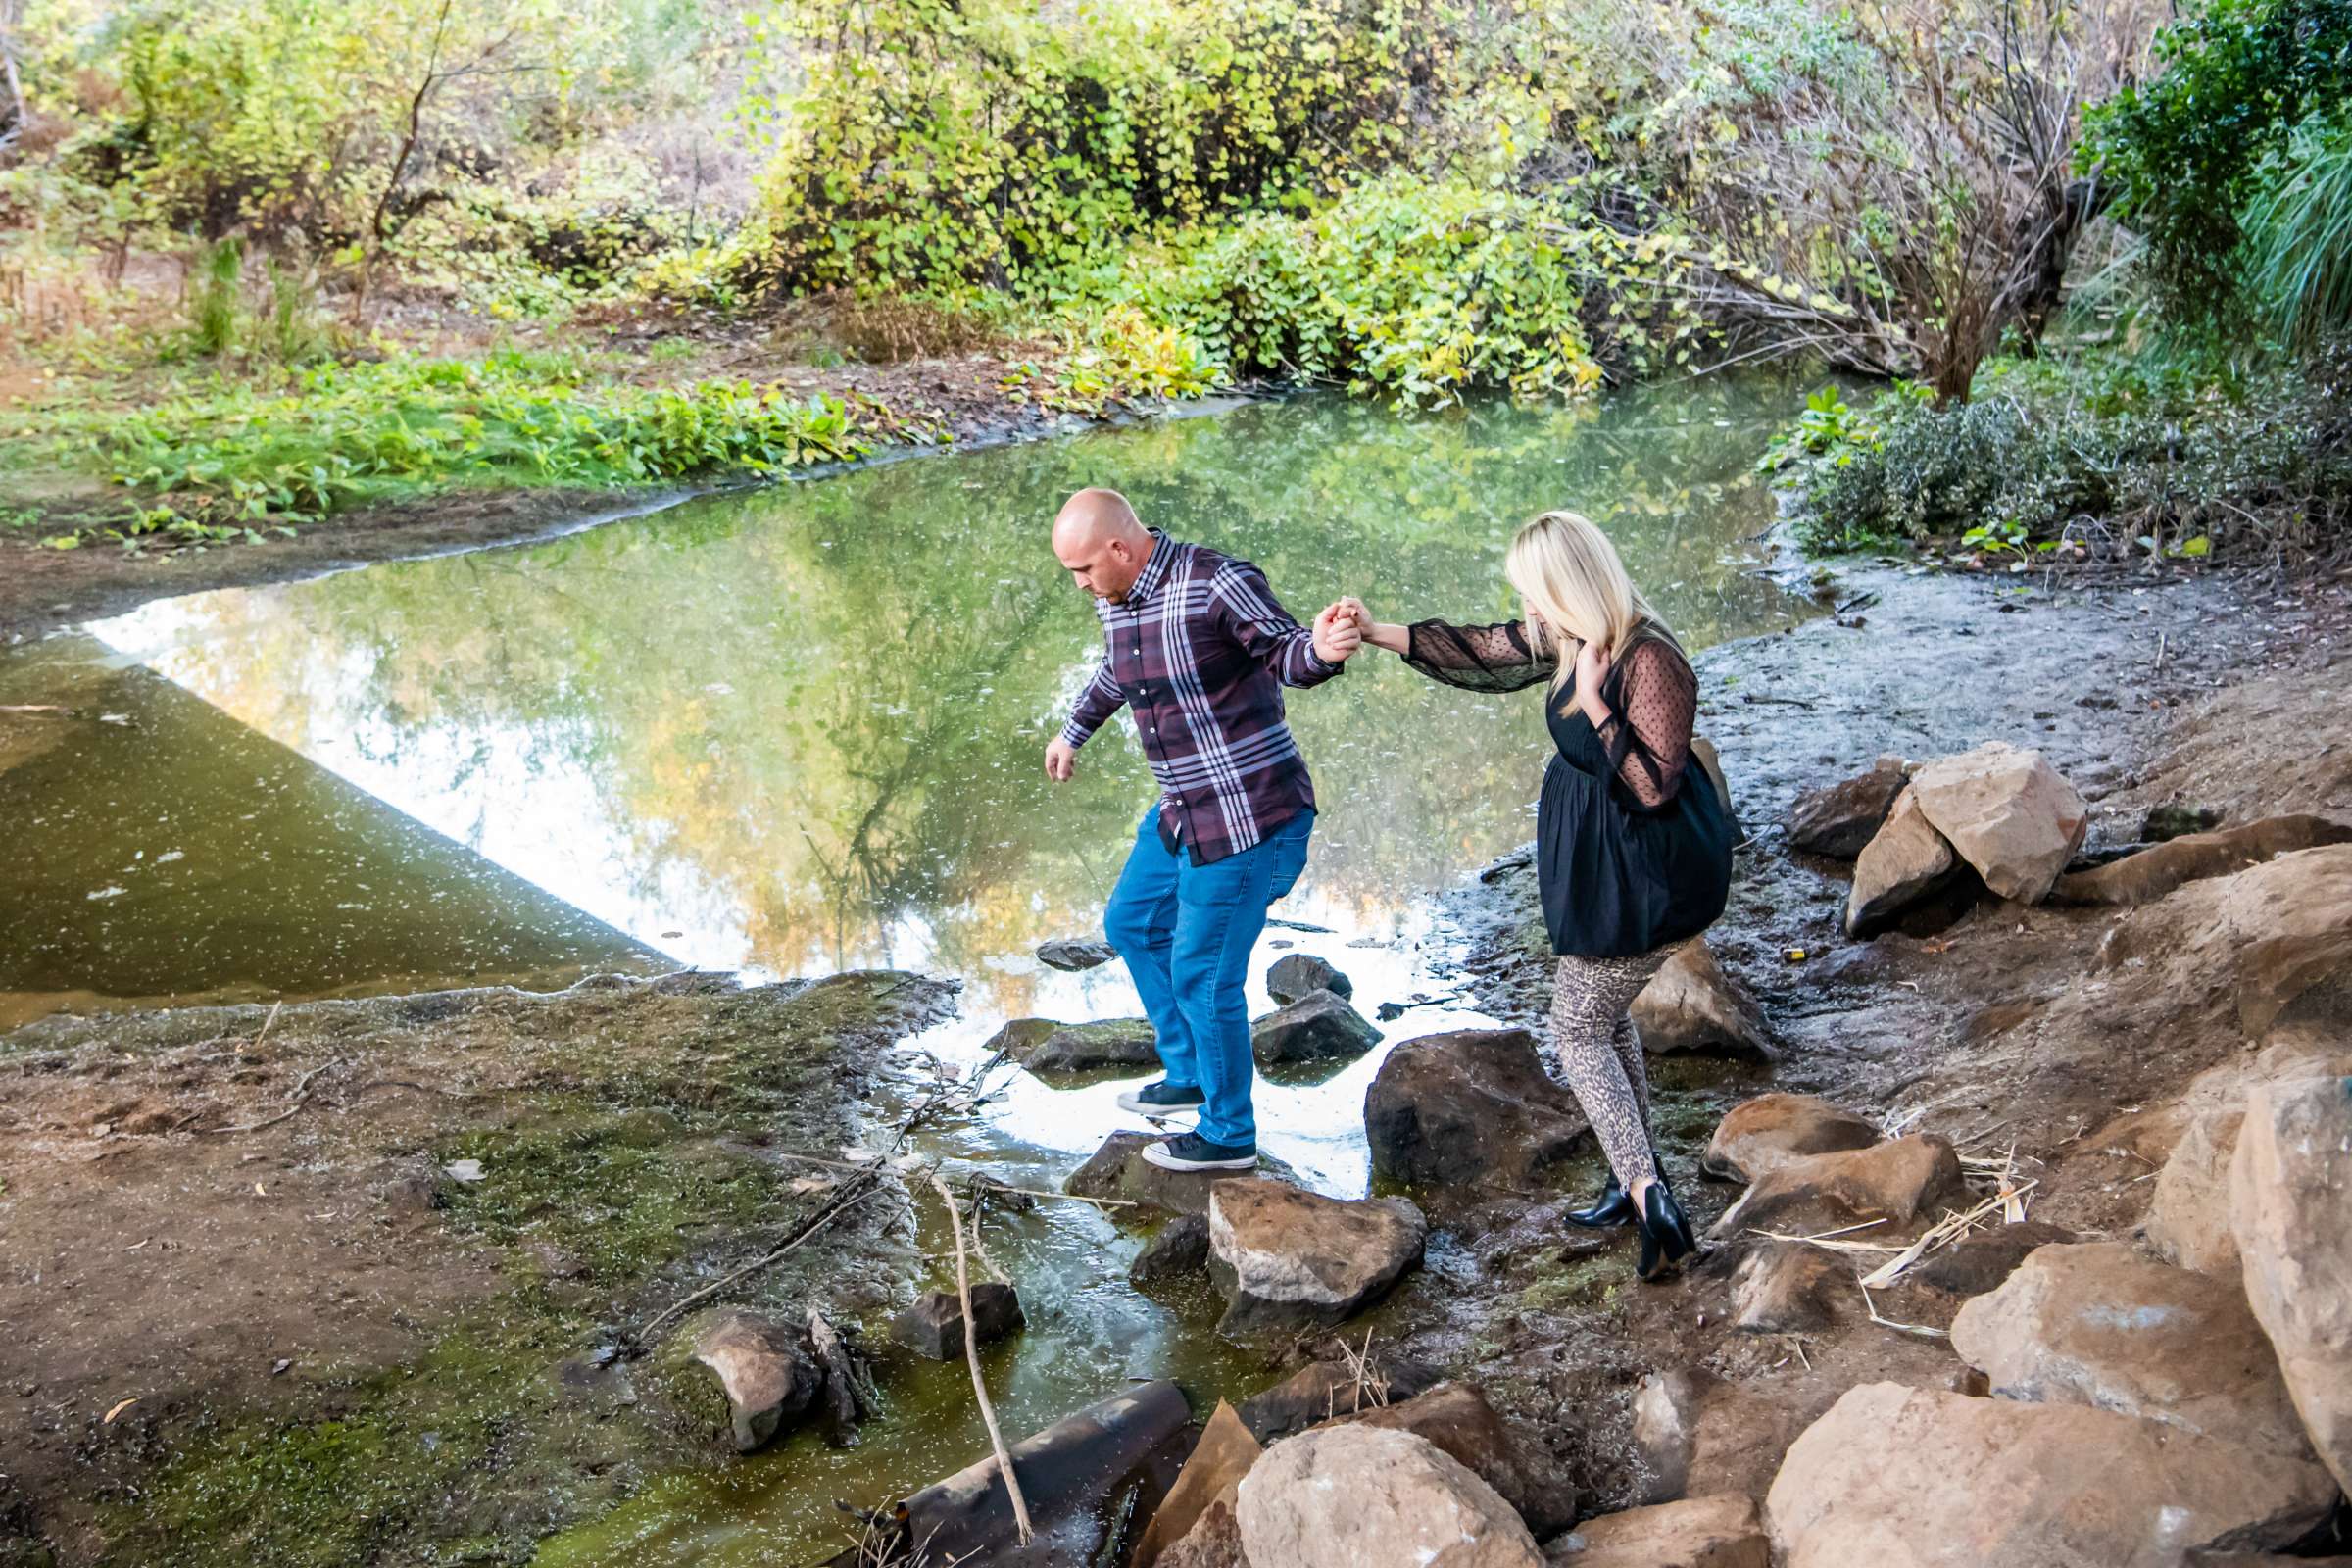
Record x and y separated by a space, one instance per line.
1633 858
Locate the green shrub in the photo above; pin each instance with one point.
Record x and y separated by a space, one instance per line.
228 459
2299 233
2187 147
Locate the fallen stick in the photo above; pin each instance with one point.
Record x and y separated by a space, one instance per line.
302 1092
849 1193
971 1356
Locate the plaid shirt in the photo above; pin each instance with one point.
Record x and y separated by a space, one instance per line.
1199 650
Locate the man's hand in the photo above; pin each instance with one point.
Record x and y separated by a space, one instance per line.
1061 759
1337 633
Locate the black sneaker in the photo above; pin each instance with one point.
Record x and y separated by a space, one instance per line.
1161 1100
1192 1151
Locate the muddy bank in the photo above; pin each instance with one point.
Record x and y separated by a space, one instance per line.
361 1281
2010 1030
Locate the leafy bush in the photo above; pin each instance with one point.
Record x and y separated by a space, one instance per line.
2187 147
2153 456
1413 289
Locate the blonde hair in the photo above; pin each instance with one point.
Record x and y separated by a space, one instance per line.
1565 569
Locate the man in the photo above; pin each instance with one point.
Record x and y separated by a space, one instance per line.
1198 651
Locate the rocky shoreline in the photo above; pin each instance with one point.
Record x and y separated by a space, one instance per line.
2079 1072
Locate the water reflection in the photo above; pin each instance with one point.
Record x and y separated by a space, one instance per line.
800 729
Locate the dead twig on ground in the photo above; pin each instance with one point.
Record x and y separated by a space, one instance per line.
971 1356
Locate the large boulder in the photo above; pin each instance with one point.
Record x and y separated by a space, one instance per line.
1286 1259
1904 862
1761 1135
1321 1027
1120 1172
1838 819
2294 918
1901 1181
1210 1477
1081 1046
1692 1004
2153 872
2007 812
1901 1478
1468 1108
2095 1323
1299 975
934 1325
2290 1204
1457 1417
1359 1496
763 1367
1724 1530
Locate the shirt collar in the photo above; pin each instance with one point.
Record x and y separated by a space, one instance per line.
1156 568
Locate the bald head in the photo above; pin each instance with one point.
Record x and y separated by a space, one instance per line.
1097 537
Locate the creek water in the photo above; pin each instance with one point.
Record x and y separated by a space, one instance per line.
800 729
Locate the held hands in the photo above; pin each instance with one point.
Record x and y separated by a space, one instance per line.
1339 632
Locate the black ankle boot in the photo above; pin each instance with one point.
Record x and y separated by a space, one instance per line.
1614 1208
1666 1239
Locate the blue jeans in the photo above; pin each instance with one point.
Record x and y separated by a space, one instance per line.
1186 932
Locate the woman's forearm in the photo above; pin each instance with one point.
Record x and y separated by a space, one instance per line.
1396 639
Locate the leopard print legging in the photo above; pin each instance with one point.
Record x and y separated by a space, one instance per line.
1595 1050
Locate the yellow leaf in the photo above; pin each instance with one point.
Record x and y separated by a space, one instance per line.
119 1409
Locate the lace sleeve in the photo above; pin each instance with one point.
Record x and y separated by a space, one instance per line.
1653 701
1478 659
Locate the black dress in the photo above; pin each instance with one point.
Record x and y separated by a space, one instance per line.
1631 852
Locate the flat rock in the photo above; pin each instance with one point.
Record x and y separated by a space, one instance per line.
1980 1262
1118 1171
2153 872
1110 1043
1838 819
934 1325
1284 1257
1785 1287
1322 1028
1897 1476
765 1369
1071 956
2291 1205
1360 1496
1691 1006
1180 1247
1468 1108
1901 1181
1457 1417
1300 975
1726 1530
1904 862
2095 1323
1761 1135
2007 812
1021 1036
1324 1388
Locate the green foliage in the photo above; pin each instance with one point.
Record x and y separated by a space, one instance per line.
213 297
2173 457
2299 233
231 457
1413 289
941 142
2188 147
